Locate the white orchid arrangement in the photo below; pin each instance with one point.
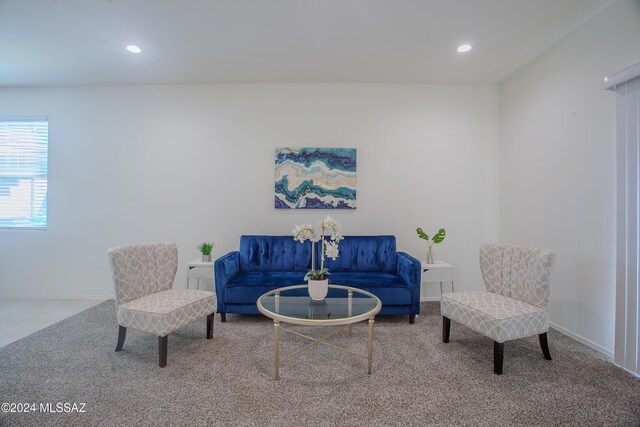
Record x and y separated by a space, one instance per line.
325 228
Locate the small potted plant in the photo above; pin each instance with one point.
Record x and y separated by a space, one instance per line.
437 238
205 249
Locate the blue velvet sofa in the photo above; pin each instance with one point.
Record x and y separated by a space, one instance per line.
264 263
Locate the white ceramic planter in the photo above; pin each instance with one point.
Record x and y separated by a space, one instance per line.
206 258
318 289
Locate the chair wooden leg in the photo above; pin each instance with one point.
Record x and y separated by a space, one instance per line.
122 333
162 349
446 327
544 345
498 355
210 326
412 319
223 317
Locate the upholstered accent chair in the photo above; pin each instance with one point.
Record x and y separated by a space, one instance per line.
516 303
142 278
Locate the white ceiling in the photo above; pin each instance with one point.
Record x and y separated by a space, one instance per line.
82 42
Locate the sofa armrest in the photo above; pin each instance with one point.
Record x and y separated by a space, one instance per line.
225 268
409 270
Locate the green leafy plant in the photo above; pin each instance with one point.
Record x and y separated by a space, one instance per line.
437 238
205 248
317 274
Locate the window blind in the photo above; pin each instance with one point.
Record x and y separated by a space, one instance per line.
627 345
23 172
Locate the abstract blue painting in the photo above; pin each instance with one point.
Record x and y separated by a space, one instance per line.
315 178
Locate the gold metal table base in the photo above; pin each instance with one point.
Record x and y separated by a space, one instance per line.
315 341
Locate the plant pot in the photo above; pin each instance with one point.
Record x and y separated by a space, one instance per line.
206 258
318 289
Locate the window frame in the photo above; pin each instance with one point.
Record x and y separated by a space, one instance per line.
45 203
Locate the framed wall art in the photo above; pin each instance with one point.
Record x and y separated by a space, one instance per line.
315 178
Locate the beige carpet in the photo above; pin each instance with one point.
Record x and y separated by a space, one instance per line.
416 380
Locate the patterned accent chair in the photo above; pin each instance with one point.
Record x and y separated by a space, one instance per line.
516 303
142 278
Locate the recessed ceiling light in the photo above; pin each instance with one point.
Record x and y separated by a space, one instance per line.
464 48
133 48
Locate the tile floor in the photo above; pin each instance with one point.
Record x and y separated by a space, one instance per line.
20 317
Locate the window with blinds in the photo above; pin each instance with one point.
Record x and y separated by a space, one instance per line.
23 172
626 84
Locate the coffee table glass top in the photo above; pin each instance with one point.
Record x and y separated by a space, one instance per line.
293 304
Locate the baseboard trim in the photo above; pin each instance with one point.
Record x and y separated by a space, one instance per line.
606 352
18 296
429 299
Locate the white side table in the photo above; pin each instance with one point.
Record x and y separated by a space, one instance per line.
197 269
439 271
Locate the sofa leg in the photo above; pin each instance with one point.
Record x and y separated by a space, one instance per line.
122 333
223 317
162 350
498 355
210 325
446 327
412 319
544 345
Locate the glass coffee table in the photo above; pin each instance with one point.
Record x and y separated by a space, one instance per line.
342 306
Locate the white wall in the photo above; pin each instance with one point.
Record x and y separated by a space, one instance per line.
557 149
190 163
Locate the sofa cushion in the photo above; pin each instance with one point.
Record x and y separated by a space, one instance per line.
388 287
365 253
362 279
270 279
496 316
274 253
247 287
163 312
